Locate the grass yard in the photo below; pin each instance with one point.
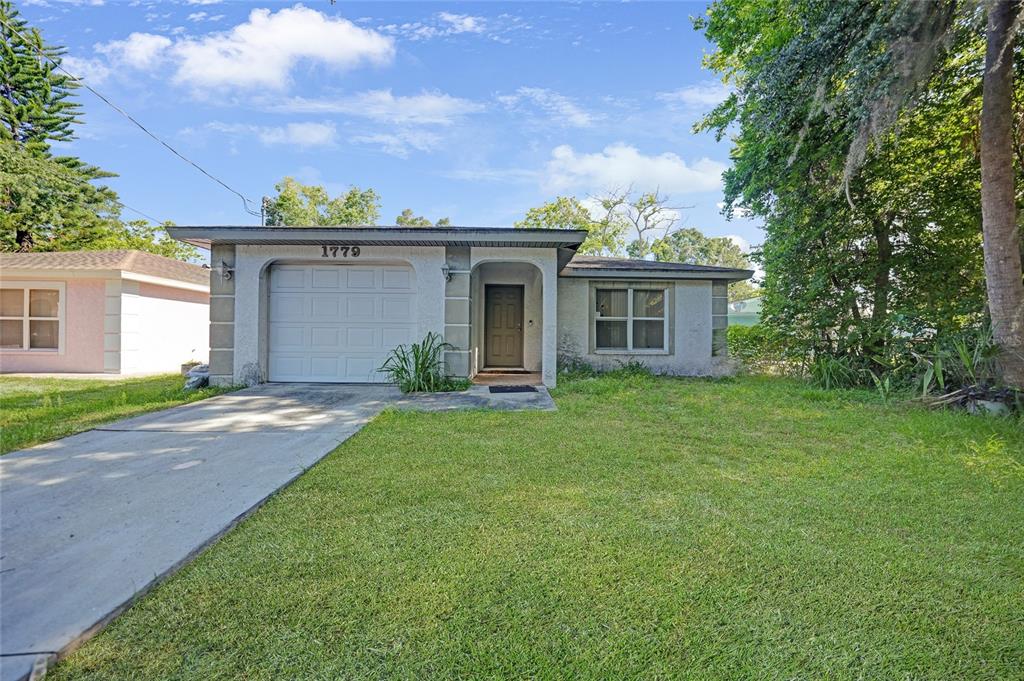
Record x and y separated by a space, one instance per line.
34 410
651 528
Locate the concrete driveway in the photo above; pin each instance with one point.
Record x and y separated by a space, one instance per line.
90 522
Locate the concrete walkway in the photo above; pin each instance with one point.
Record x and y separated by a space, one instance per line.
90 522
477 397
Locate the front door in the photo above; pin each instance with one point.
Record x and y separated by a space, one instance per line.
503 326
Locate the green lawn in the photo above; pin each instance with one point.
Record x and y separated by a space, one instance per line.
650 528
34 410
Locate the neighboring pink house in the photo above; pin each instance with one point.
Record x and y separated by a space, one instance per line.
119 312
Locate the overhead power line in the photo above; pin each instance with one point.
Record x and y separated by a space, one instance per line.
245 201
136 210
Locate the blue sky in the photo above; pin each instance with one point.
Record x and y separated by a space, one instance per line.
475 111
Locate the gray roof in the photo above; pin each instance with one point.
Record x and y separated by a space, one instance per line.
138 262
594 266
205 236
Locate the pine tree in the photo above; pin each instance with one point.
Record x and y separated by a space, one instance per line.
35 97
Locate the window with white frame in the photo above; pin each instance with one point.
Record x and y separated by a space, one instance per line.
30 318
631 320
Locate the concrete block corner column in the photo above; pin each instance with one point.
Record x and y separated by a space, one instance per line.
222 316
457 311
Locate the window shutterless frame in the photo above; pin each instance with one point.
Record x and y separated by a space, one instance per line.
26 317
629 319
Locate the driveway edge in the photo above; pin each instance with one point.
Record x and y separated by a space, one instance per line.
102 623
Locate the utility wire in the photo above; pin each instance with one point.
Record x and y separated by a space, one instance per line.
245 201
136 210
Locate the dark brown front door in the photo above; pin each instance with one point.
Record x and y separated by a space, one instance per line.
503 326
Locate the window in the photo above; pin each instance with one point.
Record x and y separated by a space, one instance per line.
633 320
30 318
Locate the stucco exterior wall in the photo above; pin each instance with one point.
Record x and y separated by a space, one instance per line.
162 327
689 352
545 260
252 264
83 332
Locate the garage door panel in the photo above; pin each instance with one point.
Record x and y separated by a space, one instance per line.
362 307
396 309
288 337
392 337
324 366
362 338
326 277
287 365
286 278
325 308
341 325
362 277
288 307
396 279
363 368
321 338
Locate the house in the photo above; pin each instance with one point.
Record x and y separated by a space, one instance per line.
328 304
745 312
118 312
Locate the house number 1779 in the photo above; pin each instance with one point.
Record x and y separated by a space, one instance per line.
342 251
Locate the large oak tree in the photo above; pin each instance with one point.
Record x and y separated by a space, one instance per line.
844 117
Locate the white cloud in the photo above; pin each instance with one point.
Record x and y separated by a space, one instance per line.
702 95
444 24
204 2
138 50
560 108
426 108
260 52
263 51
621 165
400 143
743 244
463 23
483 173
77 3
302 135
92 71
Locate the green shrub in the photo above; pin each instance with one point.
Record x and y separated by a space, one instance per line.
759 348
830 372
420 367
953 362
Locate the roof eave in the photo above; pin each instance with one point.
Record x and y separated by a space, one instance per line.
38 273
206 237
618 273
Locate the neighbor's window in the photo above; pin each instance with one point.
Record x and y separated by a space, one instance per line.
29 318
631 319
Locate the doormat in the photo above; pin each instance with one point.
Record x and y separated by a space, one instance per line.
513 389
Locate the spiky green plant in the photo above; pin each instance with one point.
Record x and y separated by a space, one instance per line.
420 366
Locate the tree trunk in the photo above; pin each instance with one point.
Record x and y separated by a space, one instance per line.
882 283
23 238
998 209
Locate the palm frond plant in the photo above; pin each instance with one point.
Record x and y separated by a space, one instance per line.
832 372
419 367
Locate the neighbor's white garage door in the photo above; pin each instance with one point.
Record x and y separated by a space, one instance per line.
337 323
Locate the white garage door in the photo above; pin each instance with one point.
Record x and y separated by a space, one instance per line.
337 323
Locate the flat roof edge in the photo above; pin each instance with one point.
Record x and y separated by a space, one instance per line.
618 273
205 236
